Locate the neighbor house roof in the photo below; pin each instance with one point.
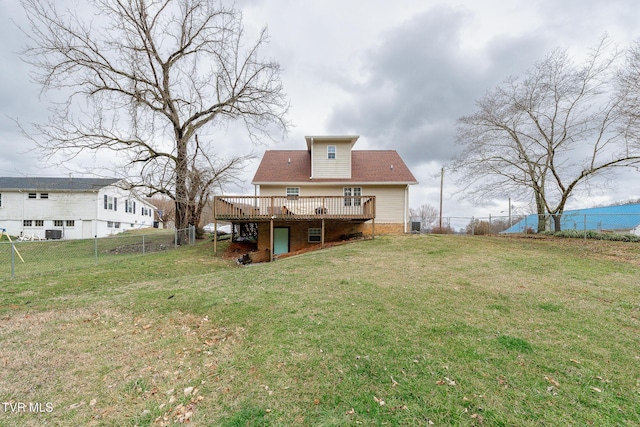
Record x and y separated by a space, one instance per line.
54 184
367 166
620 217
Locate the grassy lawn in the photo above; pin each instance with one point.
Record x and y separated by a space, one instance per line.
404 331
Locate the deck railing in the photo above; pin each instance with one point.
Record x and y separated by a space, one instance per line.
263 208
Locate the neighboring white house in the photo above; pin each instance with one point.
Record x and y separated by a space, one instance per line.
70 208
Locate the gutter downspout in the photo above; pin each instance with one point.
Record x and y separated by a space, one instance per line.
406 206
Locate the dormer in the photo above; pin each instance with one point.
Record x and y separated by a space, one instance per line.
331 156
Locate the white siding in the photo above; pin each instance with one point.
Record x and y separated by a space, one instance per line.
82 214
340 167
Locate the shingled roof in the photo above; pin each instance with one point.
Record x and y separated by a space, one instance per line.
54 184
367 166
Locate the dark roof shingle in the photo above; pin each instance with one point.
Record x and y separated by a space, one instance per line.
374 166
55 184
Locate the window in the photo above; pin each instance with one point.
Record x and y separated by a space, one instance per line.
27 223
109 224
44 195
39 223
110 203
58 223
331 151
116 225
352 196
293 191
315 235
32 195
70 223
129 206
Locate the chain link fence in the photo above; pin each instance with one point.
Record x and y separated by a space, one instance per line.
23 259
602 225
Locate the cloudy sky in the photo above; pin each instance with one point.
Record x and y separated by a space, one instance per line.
398 73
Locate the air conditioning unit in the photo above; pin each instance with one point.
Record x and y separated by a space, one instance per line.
53 234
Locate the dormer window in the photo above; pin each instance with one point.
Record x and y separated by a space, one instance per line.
331 151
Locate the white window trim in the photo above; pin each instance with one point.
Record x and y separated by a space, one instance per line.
295 193
334 152
353 198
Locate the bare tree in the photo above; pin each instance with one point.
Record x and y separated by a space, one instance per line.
142 77
165 208
426 214
205 177
544 135
629 90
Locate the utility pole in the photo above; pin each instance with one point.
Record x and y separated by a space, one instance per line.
441 186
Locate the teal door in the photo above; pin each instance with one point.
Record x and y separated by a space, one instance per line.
280 240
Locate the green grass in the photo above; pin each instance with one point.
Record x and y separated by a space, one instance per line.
33 258
404 331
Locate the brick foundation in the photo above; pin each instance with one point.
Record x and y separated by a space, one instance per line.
334 232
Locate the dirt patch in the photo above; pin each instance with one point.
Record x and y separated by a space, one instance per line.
138 248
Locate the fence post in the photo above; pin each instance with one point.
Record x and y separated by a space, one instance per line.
585 227
525 225
473 226
95 247
13 260
143 244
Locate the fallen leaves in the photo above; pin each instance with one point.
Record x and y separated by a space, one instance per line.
552 381
446 381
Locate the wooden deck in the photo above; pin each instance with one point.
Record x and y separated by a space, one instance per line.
299 208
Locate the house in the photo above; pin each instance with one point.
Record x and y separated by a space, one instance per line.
70 208
623 219
326 193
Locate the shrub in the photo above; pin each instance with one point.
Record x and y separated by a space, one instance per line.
595 235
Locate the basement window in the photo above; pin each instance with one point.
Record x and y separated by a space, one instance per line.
315 235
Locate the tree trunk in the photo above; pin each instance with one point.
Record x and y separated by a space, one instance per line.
556 222
542 216
182 196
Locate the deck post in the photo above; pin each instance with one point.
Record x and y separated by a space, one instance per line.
373 228
215 228
322 241
271 240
